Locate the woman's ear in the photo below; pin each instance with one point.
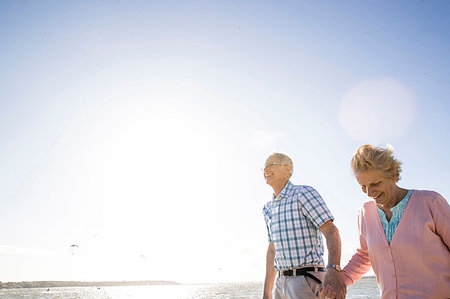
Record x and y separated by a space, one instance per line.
396 176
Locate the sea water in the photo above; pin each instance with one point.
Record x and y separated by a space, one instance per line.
365 288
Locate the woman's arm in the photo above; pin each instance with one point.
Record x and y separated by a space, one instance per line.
441 215
359 264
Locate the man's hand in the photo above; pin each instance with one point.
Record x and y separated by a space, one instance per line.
271 273
333 286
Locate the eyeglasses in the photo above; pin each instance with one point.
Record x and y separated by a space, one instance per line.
271 165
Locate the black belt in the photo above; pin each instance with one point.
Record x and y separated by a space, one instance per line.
303 272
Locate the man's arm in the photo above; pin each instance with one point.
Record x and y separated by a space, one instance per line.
333 278
271 273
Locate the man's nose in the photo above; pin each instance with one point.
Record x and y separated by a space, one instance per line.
369 191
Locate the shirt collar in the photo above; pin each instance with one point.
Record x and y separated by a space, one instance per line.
402 204
283 192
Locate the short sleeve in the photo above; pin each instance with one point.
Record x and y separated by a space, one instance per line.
267 217
313 206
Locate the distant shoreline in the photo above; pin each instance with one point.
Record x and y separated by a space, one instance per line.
55 284
69 284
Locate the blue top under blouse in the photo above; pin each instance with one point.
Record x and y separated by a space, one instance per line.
397 213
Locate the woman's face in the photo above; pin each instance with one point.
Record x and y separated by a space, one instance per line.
379 186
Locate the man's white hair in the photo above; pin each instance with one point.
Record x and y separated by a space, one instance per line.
284 160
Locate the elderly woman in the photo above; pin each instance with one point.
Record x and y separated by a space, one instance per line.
404 234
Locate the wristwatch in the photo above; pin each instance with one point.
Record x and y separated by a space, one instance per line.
337 267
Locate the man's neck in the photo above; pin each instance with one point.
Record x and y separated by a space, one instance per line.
278 188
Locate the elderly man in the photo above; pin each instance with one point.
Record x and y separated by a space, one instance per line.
295 217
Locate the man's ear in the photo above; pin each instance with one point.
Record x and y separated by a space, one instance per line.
288 169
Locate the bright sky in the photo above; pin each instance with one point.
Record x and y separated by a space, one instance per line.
137 129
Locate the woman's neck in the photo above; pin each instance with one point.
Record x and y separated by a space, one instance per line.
400 193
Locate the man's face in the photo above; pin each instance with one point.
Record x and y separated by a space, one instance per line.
275 173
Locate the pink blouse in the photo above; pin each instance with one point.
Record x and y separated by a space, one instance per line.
417 262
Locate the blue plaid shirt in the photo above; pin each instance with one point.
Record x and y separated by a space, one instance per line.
293 219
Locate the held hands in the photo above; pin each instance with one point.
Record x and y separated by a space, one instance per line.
333 286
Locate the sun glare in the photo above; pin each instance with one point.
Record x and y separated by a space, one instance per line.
377 110
154 167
